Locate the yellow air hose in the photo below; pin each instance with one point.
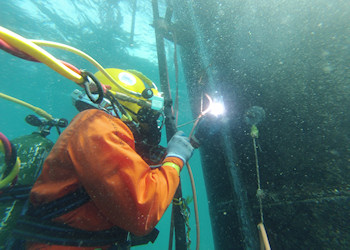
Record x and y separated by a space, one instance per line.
15 170
37 110
86 57
39 54
8 179
31 47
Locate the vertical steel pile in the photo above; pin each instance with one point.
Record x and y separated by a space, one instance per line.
231 219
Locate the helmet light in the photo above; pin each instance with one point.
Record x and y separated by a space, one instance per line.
127 78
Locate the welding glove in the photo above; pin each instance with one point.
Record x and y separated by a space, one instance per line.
179 146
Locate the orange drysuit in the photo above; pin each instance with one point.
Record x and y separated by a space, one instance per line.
97 151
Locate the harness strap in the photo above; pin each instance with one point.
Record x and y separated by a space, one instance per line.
18 192
60 206
37 225
34 229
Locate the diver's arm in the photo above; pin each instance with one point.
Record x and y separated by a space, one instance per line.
121 184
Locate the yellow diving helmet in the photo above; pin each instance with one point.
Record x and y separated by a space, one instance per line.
138 94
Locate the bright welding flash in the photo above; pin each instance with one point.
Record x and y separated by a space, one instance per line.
217 108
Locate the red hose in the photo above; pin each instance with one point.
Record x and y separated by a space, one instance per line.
16 52
7 146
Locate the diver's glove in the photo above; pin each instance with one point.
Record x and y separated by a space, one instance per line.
179 146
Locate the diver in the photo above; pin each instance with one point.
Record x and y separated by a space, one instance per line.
97 188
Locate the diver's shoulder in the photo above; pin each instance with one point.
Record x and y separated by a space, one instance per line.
97 117
90 114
